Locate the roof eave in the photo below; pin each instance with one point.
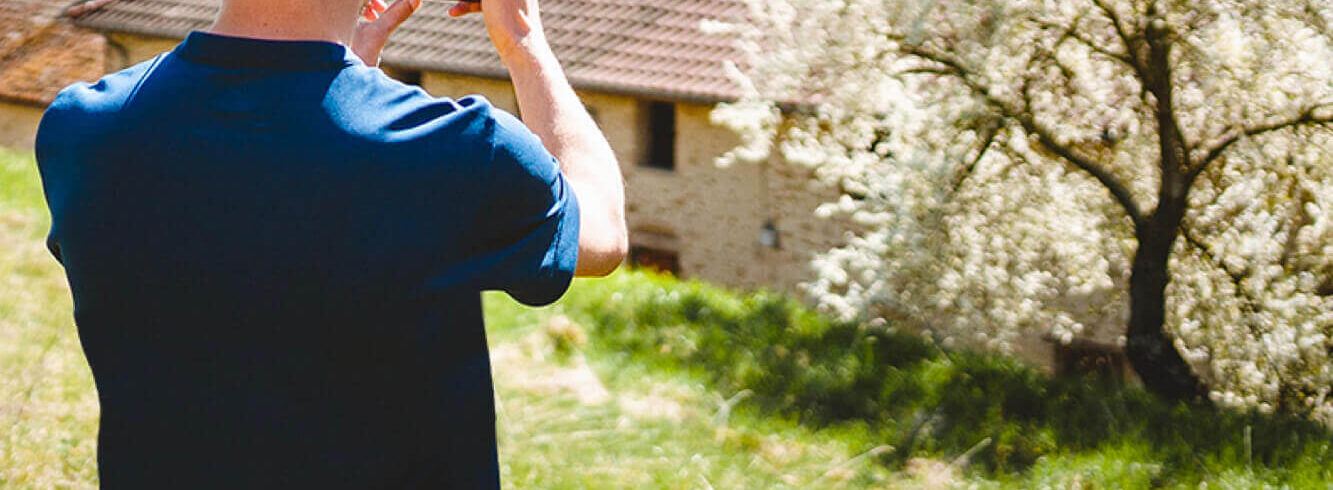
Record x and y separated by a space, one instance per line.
33 102
497 73
103 27
578 83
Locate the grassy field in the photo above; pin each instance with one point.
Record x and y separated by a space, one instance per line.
639 381
566 419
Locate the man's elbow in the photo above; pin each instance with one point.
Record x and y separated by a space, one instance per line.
605 257
603 235
619 251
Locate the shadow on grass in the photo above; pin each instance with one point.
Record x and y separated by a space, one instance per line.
926 401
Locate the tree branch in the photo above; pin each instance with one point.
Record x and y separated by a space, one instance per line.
986 143
1119 191
1308 117
1071 32
1131 50
1173 146
1207 252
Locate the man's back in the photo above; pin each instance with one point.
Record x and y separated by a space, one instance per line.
276 255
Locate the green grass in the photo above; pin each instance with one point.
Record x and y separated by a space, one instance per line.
48 409
570 420
1006 423
642 381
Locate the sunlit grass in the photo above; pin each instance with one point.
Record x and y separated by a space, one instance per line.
643 382
592 421
48 408
644 429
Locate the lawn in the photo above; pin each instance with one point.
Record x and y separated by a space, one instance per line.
640 381
566 419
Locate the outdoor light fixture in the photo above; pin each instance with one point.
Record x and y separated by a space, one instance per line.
768 235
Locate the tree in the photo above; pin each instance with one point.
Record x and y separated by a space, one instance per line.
1022 166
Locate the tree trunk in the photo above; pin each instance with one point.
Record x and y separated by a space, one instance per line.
1150 350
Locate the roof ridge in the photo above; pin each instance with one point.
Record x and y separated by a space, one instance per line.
81 7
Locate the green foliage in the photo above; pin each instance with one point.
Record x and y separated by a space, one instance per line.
1009 418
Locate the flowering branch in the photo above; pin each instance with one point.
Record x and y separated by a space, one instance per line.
1132 53
1308 117
1071 32
987 142
1028 122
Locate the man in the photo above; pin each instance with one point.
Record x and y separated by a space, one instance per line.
276 252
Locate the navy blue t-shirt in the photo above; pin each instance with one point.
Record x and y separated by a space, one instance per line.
276 255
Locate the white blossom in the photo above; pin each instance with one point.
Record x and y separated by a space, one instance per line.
975 230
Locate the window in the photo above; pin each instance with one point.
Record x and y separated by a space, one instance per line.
659 135
1084 357
655 259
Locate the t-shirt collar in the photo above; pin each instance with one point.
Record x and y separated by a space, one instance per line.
264 54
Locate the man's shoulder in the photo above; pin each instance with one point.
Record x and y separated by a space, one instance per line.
107 94
81 108
377 106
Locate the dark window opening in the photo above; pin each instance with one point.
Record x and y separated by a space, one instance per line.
660 135
1082 358
655 259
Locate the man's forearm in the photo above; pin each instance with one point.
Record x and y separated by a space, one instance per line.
554 112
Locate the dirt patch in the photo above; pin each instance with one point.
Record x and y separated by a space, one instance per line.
527 372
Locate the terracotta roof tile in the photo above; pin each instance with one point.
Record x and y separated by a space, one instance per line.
40 53
638 47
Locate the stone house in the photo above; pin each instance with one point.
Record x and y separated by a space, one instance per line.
649 76
39 55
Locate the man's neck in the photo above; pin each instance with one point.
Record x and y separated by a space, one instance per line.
290 20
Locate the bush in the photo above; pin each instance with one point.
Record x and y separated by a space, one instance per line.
925 400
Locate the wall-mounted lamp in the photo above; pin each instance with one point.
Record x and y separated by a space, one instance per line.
769 236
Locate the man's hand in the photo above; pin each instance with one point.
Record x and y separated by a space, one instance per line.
378 21
514 25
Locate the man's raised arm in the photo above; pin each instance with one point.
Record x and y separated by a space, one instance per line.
554 112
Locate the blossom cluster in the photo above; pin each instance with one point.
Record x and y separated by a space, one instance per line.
938 121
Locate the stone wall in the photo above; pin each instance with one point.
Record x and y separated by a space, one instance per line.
18 124
710 216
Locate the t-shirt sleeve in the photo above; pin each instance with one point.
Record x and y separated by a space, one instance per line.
533 220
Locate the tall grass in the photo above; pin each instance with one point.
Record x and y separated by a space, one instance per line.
1008 421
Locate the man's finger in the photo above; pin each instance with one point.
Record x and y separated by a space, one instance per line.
395 14
463 8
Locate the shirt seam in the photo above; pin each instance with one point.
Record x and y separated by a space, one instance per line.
142 78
